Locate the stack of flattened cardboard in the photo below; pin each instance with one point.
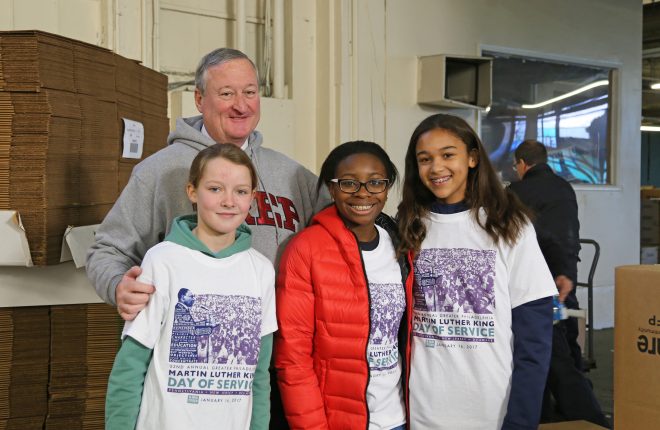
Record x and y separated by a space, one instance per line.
24 343
61 104
85 340
94 78
104 327
40 118
143 100
6 114
44 167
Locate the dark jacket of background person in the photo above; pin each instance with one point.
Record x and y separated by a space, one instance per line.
554 204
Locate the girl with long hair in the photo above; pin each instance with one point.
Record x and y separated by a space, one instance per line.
481 323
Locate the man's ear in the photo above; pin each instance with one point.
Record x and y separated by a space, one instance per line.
198 99
525 166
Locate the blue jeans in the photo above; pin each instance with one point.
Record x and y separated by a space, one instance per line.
401 427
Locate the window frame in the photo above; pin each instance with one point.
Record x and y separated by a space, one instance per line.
614 103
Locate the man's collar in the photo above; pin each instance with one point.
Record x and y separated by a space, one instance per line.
538 168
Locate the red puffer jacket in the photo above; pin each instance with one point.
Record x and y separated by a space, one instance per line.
323 317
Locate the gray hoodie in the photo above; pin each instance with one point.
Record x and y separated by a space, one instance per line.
156 194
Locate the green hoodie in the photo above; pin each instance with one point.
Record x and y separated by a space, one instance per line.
181 233
126 381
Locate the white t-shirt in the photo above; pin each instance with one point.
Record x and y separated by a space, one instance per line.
462 345
388 302
190 382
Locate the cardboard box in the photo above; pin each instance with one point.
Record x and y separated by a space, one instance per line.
637 347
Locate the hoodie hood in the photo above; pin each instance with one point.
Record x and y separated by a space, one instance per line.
181 234
189 132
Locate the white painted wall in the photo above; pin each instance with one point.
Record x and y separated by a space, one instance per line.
56 16
392 34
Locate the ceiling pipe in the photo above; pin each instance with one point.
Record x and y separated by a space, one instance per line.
278 49
240 33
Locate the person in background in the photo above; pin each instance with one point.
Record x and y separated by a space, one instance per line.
162 378
568 394
227 96
341 292
481 326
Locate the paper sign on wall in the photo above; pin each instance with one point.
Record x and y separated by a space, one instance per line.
133 139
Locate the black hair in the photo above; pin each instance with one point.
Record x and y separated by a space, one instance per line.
531 152
345 150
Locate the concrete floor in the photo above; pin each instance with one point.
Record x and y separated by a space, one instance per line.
602 377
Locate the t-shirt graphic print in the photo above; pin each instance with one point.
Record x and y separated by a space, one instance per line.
221 331
387 305
454 295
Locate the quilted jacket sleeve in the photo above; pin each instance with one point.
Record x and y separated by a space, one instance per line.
297 380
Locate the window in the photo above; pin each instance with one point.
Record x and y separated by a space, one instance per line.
564 106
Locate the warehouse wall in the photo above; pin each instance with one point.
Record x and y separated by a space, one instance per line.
351 73
391 34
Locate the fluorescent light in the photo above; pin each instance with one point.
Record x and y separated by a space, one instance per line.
656 86
567 95
650 128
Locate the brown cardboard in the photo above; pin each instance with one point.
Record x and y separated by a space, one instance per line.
61 104
650 193
637 347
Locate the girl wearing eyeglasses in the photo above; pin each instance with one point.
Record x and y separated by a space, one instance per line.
341 296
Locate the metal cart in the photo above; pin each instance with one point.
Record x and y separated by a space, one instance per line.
589 359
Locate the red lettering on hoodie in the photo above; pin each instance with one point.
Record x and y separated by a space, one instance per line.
272 210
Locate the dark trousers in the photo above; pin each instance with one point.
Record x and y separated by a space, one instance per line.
568 395
277 418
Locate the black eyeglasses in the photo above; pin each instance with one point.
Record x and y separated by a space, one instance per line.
351 186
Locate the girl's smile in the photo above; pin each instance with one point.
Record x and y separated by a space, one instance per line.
360 209
443 163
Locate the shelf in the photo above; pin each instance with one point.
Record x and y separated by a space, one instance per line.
22 284
61 284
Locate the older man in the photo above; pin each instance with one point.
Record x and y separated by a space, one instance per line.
227 96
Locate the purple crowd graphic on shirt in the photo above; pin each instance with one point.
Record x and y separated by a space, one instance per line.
388 303
454 295
215 343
